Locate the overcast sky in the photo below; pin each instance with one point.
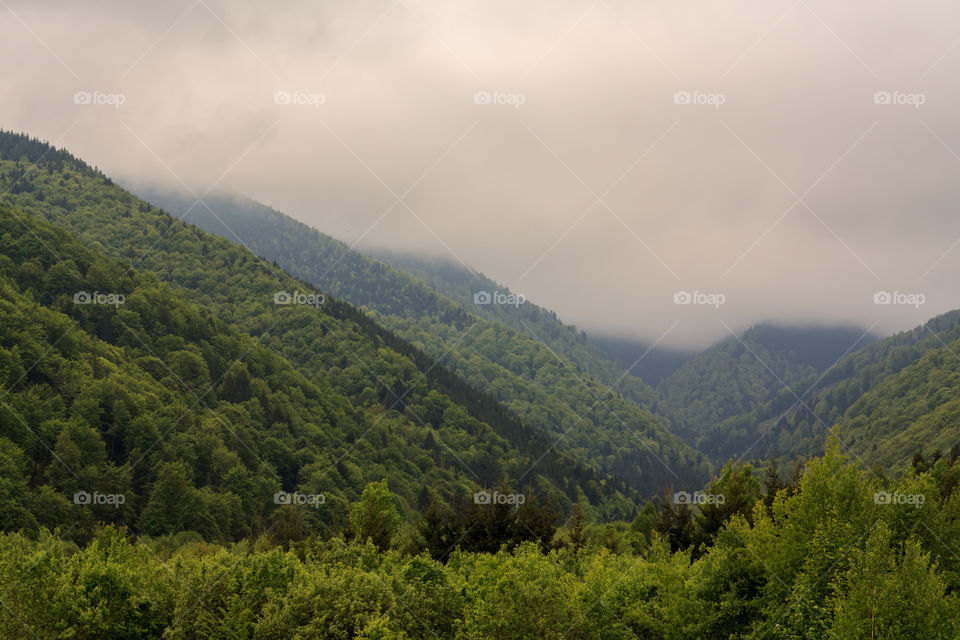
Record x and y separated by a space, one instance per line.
628 150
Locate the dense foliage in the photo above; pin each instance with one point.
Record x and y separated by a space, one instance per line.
742 373
181 456
545 372
198 425
823 561
797 420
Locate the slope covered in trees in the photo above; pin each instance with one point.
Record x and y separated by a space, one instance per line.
650 363
741 373
796 421
522 355
403 402
605 358
117 385
912 416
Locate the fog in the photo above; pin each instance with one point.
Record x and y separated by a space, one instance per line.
777 161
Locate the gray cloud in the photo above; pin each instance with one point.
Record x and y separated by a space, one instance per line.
695 197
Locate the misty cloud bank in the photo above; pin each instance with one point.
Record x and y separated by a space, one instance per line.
798 159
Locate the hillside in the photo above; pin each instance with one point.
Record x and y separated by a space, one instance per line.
605 360
650 363
414 419
436 285
198 425
521 362
791 428
740 374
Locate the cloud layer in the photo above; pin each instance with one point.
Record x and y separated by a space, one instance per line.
795 157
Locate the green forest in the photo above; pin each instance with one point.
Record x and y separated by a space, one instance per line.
266 434
542 370
822 558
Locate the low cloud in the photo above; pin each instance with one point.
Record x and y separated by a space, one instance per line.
797 158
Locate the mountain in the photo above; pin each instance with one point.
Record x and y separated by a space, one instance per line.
741 373
879 384
650 363
367 281
915 412
540 369
606 361
187 392
606 358
299 397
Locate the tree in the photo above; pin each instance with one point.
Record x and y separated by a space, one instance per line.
174 504
772 482
893 595
577 537
375 516
734 492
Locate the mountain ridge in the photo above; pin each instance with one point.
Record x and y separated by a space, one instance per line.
522 363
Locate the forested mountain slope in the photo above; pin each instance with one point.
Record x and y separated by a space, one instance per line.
368 282
739 374
116 384
914 411
791 427
651 363
395 388
521 363
604 358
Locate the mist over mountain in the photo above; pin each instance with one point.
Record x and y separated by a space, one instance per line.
422 320
741 373
544 371
174 378
787 157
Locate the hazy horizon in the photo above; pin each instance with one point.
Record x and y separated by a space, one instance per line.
383 253
599 158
